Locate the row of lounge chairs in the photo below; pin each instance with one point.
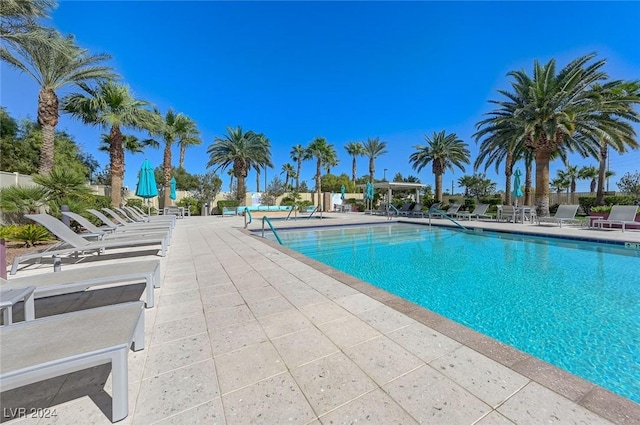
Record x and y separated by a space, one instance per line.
40 348
620 215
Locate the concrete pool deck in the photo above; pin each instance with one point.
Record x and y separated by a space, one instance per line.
246 331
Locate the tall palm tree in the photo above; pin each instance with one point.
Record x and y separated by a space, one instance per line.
298 154
112 106
571 175
231 174
589 172
289 172
614 96
257 163
130 143
172 127
330 159
354 149
17 23
52 69
443 151
374 148
239 149
566 110
190 136
319 149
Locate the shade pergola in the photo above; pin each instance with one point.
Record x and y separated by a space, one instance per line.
391 186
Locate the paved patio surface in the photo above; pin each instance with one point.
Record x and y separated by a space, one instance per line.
245 331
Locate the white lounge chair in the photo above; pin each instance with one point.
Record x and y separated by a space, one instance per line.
107 234
128 227
128 221
564 214
79 279
620 214
36 350
480 211
78 244
452 210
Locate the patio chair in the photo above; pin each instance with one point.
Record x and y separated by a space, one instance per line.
131 227
480 211
108 234
506 213
78 244
416 211
453 210
405 208
141 215
82 278
119 221
126 218
36 350
382 210
564 214
620 214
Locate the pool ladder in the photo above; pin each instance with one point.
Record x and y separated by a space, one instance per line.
266 219
247 213
444 215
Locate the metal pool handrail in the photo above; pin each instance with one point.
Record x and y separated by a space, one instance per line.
265 218
444 215
247 212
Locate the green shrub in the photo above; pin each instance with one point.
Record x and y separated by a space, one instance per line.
587 203
192 203
469 204
491 200
134 202
229 203
30 234
619 200
601 209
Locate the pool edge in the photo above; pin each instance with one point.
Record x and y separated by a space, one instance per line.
592 397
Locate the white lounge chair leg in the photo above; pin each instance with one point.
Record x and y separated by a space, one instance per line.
7 315
120 384
138 334
156 278
150 292
29 307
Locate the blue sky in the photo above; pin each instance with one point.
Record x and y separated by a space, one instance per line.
345 71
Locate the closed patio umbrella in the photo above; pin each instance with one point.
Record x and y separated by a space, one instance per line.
342 191
173 195
146 187
517 183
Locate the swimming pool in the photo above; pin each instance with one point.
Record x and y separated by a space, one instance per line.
573 304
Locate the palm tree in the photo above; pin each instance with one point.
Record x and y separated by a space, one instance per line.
319 149
566 110
289 172
354 149
615 95
571 175
258 164
130 143
54 68
330 159
589 172
112 106
373 148
231 176
190 136
172 127
444 151
18 25
239 149
298 154
467 182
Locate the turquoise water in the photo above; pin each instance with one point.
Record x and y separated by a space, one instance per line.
573 304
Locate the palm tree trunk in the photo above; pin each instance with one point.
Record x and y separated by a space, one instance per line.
542 182
592 187
319 180
116 157
257 179
48 119
298 175
353 170
527 185
166 174
601 174
372 168
438 187
183 150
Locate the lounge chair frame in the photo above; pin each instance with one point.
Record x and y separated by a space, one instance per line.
80 279
41 349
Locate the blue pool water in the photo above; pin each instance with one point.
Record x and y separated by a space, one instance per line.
573 304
